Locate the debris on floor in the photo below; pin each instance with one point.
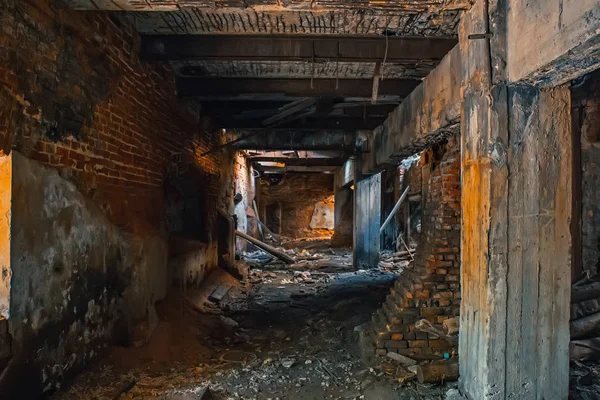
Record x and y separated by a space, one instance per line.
584 380
288 333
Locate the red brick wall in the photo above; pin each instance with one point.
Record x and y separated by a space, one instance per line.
74 96
80 99
298 194
430 287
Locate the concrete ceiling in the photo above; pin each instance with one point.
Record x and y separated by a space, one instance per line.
256 64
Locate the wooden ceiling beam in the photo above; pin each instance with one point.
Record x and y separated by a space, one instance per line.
192 87
394 49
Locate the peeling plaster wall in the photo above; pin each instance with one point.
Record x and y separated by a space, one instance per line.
190 261
68 292
299 195
98 138
244 184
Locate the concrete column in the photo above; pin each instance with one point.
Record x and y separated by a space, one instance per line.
367 220
343 215
516 241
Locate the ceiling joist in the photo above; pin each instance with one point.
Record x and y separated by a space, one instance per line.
393 49
192 87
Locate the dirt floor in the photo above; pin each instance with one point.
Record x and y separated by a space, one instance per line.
288 332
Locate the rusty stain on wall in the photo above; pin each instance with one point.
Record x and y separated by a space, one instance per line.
5 223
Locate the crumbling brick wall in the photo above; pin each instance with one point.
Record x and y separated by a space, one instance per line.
244 184
298 195
430 287
98 137
586 124
79 99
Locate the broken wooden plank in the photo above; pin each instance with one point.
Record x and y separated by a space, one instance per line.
585 292
394 210
451 326
406 361
587 349
585 326
438 371
269 249
424 325
219 293
585 308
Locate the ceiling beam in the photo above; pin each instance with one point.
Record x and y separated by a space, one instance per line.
192 87
294 168
261 155
394 49
286 139
308 122
302 5
313 162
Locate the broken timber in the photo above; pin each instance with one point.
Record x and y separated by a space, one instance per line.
438 371
269 249
394 210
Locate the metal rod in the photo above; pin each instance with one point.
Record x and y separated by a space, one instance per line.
394 210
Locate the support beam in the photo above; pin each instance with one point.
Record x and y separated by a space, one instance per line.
293 168
305 162
297 140
367 219
344 176
306 122
269 249
191 87
302 5
551 42
430 113
516 242
343 213
294 48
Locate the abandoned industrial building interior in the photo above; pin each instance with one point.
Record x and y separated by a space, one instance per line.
294 199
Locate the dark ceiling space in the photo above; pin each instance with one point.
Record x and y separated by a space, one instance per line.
296 74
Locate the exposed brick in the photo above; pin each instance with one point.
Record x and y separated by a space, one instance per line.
396 344
437 261
417 343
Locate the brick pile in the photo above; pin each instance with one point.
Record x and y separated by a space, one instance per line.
430 287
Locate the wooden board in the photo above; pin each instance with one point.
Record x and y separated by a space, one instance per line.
269 249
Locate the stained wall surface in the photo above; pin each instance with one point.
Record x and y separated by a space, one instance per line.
99 141
298 196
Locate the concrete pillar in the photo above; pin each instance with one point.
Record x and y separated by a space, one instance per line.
343 215
516 241
367 220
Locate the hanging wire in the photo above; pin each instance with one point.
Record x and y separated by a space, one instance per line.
384 55
337 67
